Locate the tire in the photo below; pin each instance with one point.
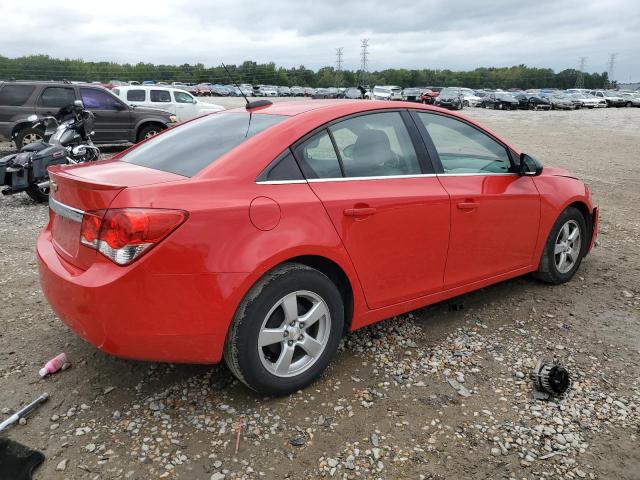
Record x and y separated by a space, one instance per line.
551 269
40 195
628 104
149 131
28 135
263 308
465 103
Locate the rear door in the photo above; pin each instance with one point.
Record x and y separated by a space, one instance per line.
388 207
112 117
161 99
14 105
53 98
495 213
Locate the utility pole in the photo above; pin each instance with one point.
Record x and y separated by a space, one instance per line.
612 63
580 77
338 67
364 57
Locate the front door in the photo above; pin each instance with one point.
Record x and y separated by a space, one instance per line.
495 212
112 117
390 211
186 106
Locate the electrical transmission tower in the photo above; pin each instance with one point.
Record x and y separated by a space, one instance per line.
612 63
364 56
339 67
580 77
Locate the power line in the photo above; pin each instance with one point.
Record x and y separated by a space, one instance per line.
580 78
339 67
612 63
364 57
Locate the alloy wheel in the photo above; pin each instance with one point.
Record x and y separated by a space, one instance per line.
31 138
294 334
567 246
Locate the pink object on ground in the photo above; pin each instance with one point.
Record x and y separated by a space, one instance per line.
53 365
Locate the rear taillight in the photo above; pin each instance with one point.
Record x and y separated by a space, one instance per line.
124 234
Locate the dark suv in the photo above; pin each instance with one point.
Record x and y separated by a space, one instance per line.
115 121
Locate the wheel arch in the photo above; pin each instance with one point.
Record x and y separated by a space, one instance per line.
586 214
146 123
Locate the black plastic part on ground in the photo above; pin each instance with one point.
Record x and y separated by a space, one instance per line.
17 462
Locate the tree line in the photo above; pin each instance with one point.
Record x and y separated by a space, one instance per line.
43 67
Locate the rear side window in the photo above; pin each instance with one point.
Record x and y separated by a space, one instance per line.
162 96
57 97
318 158
187 149
15 95
136 95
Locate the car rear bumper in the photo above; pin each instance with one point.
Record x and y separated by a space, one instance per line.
133 313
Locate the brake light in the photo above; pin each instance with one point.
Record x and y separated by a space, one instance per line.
124 234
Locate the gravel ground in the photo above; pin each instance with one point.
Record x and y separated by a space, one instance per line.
386 407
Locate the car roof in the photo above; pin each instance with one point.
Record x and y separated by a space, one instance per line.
148 87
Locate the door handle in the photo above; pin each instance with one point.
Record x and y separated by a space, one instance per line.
359 212
468 205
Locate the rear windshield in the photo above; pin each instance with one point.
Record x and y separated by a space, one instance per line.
187 149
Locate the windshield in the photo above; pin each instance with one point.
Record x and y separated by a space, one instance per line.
504 96
453 92
187 149
610 94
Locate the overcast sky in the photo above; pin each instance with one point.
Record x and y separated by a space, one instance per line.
414 34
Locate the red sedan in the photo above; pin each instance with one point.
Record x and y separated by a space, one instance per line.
262 235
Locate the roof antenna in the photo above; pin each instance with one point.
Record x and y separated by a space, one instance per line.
249 105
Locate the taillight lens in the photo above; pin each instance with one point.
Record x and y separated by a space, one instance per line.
124 234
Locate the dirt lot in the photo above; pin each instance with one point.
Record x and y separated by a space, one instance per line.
384 409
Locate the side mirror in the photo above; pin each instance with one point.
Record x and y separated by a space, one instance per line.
78 103
119 106
529 166
195 100
32 118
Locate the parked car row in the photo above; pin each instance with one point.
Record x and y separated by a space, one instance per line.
116 120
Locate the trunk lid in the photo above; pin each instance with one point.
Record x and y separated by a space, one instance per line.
88 187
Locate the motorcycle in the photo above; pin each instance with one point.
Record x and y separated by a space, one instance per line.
67 141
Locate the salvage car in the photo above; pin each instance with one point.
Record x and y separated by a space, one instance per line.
499 101
261 235
470 99
428 97
588 101
411 94
561 101
386 92
115 121
531 102
613 99
451 98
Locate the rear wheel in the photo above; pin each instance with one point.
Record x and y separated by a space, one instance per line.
38 194
286 330
565 248
28 135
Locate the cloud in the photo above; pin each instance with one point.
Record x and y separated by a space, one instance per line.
412 34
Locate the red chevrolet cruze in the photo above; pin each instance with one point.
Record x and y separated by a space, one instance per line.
263 234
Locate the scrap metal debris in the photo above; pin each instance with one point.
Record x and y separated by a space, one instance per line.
549 379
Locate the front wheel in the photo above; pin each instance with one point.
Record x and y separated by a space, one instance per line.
28 135
286 330
565 248
149 131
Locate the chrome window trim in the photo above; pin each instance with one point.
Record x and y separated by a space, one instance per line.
476 174
279 182
351 179
65 210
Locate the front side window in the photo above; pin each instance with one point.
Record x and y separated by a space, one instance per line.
95 99
57 97
463 148
183 97
137 95
162 96
318 158
375 145
15 95
189 148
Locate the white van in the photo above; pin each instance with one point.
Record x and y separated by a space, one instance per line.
182 104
